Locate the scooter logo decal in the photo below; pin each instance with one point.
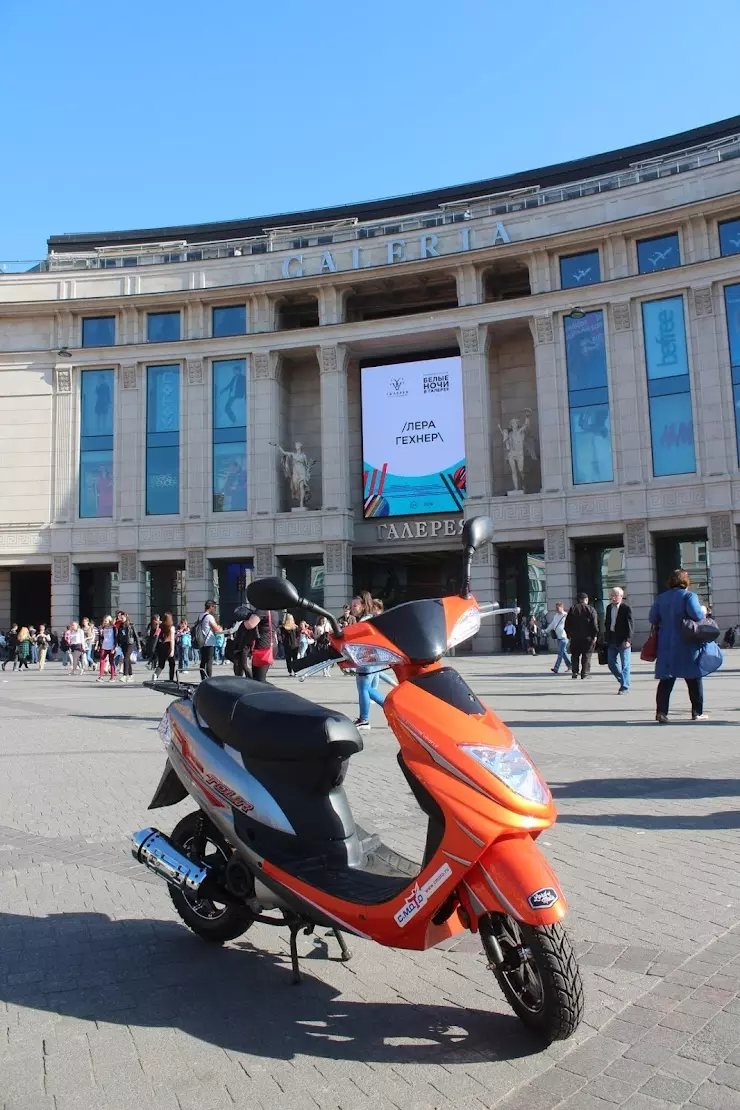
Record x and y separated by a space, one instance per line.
420 894
226 792
543 898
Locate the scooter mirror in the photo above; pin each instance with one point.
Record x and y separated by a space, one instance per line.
273 593
477 531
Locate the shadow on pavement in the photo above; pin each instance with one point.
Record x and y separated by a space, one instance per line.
725 819
155 974
644 787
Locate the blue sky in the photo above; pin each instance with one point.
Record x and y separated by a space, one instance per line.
126 115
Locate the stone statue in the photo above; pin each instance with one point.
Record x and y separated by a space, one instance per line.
515 438
297 469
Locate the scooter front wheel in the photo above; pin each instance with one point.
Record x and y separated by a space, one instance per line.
211 920
537 971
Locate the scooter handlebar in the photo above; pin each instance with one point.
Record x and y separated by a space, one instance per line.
318 658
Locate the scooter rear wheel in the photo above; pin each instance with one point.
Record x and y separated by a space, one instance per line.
539 976
213 921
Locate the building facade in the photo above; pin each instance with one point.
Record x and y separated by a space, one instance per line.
148 380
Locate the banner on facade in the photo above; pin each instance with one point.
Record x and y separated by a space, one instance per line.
413 436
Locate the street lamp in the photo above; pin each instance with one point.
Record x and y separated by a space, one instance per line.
576 313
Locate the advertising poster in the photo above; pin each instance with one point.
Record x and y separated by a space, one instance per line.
413 437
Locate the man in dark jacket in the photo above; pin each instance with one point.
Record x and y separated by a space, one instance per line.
582 629
618 626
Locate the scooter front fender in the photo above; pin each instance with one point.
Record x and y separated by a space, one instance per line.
513 877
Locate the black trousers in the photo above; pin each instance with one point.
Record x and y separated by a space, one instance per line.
696 695
128 669
291 654
164 656
580 656
259 674
206 662
242 668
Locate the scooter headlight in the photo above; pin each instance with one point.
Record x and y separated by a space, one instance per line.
368 655
465 627
513 768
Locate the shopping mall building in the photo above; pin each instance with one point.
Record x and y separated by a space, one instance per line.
559 349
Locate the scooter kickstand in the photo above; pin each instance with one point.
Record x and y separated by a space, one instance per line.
294 931
346 952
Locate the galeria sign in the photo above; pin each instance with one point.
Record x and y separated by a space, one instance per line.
420 529
397 250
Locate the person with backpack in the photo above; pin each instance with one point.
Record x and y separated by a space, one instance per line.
556 630
128 640
289 636
206 630
106 648
42 645
65 646
264 624
582 629
11 646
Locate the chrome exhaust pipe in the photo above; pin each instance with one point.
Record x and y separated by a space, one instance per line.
159 854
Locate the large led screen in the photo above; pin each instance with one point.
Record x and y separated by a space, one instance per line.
413 437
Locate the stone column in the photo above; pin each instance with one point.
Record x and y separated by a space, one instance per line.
724 568
335 489
331 305
199 582
484 585
477 406
263 420
4 598
261 313
615 260
552 404
195 323
640 584
130 444
560 568
337 575
131 589
195 439
540 275
629 423
65 592
469 284
714 433
65 455
697 238
264 560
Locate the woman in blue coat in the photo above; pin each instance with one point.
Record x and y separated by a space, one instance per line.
677 658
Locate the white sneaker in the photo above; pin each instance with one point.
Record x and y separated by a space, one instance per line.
101 679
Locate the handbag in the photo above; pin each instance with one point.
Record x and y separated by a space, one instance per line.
704 631
264 657
710 658
602 654
649 651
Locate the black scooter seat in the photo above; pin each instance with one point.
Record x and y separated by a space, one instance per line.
262 722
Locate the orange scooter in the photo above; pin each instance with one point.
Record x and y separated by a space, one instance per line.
274 832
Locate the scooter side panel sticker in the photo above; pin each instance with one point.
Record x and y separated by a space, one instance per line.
543 898
421 894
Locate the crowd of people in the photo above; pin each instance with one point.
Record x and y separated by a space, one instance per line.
257 638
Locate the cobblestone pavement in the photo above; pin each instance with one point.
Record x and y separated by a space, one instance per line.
107 1001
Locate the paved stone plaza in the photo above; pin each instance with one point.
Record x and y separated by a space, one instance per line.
107 1001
